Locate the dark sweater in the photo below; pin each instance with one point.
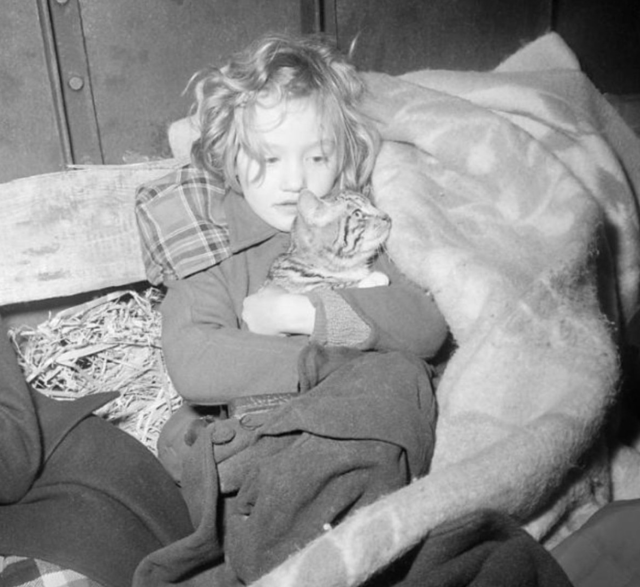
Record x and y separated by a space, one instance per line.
211 355
75 490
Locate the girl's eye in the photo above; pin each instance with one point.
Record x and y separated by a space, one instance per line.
270 160
319 159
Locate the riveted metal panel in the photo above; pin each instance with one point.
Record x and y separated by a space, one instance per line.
396 36
142 54
30 139
75 82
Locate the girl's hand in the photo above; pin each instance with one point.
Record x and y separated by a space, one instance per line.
274 311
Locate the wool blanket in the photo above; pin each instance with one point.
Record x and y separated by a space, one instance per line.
514 201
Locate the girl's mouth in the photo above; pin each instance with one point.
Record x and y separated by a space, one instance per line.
287 205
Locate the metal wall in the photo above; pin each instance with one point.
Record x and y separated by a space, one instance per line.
98 81
606 38
396 36
30 139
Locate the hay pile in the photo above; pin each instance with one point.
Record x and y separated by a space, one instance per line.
111 343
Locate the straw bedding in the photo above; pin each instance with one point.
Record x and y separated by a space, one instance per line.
111 343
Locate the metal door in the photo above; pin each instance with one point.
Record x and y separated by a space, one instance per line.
98 81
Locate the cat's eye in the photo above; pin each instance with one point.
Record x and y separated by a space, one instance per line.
357 214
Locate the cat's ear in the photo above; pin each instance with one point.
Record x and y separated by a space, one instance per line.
309 205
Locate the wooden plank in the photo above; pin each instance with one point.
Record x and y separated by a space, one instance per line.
71 232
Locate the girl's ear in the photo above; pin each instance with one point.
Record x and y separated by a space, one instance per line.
309 206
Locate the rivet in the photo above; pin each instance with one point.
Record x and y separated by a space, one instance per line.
76 83
62 2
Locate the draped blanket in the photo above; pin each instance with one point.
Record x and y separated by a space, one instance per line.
514 200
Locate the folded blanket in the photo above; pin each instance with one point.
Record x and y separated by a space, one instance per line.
513 196
281 478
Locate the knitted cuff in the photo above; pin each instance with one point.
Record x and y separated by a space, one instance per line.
336 324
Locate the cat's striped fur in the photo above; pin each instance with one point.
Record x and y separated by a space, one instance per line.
334 240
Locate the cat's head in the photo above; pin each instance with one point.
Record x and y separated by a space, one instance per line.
343 223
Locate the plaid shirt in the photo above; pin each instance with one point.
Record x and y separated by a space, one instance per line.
182 224
18 571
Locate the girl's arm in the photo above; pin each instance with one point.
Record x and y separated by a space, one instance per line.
400 316
210 356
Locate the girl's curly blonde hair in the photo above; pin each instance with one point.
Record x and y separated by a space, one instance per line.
282 68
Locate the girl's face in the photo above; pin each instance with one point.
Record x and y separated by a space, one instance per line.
299 153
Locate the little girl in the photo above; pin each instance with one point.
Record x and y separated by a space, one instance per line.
277 118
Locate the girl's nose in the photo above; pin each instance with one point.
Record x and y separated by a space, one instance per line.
294 177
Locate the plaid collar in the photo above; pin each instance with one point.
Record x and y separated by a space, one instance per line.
188 221
246 228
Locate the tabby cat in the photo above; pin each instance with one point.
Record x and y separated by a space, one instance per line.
334 240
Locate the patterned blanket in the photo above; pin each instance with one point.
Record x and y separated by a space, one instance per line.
514 199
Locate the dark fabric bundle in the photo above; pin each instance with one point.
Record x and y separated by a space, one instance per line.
482 549
363 428
92 499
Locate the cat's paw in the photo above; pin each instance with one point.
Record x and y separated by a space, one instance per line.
374 279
